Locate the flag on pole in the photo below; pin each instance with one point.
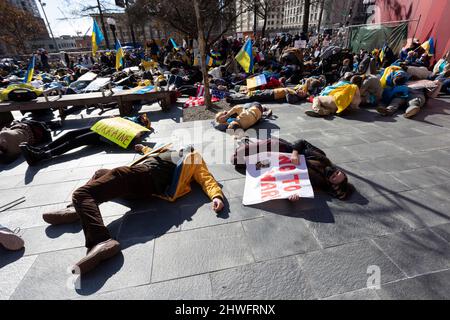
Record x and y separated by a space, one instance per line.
428 46
245 57
209 61
175 46
97 37
383 53
30 70
119 55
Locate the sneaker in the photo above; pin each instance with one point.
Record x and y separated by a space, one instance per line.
101 252
386 111
313 114
10 239
64 216
411 111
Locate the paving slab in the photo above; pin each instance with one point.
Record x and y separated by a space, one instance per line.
190 288
50 277
199 216
182 254
345 268
416 253
433 286
279 236
271 280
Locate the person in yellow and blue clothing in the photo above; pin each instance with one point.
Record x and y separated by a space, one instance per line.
335 99
161 172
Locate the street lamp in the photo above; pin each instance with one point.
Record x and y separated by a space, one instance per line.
112 24
48 24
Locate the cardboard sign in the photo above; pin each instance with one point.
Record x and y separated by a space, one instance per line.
272 176
256 82
118 130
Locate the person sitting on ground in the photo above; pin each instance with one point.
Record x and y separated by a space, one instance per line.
25 131
242 117
74 139
412 98
163 173
322 173
338 98
10 240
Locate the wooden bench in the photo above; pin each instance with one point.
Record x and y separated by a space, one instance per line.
123 98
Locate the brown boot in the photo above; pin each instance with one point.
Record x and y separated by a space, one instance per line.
64 216
10 240
103 251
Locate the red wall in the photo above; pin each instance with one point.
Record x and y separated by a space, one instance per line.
435 20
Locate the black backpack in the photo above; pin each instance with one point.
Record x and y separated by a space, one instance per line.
22 95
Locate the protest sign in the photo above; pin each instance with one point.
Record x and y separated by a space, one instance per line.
118 130
256 82
273 176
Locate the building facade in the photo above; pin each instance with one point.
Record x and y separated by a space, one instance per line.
27 5
143 32
287 15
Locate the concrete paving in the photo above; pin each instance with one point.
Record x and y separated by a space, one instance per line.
398 221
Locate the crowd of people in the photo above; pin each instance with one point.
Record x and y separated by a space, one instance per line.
295 69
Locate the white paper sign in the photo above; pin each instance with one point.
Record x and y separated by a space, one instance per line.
273 176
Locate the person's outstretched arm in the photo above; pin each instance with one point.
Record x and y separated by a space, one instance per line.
209 185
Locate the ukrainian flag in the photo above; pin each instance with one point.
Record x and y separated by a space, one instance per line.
383 53
119 55
245 57
209 61
97 37
30 70
428 46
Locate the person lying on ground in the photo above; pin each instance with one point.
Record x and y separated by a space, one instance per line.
74 139
412 98
371 90
322 173
10 240
242 116
25 131
280 95
337 98
166 174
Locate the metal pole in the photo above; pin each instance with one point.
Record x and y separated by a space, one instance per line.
48 24
131 25
105 31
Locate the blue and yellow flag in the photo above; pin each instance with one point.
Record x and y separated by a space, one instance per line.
428 46
383 53
245 56
119 55
97 37
209 61
175 46
30 70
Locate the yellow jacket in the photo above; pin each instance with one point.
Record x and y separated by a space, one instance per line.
246 117
190 167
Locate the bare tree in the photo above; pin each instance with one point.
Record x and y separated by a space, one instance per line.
213 19
18 27
306 10
261 9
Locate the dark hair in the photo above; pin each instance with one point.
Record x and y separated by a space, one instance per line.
5 158
358 80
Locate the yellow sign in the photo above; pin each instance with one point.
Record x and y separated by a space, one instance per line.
118 130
